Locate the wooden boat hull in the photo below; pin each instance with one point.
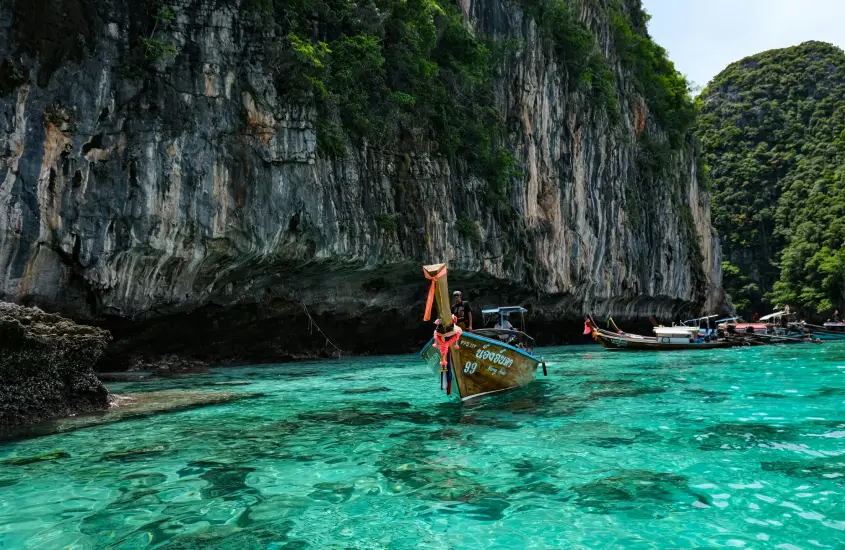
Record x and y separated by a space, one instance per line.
482 366
625 342
828 332
828 335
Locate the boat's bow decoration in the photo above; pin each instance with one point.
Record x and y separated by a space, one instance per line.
483 362
443 342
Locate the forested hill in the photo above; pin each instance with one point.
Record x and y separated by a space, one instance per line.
773 129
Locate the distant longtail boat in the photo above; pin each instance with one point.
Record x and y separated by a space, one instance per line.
664 339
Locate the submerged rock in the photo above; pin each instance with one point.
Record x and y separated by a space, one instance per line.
636 491
741 435
354 391
818 468
125 407
169 366
136 453
42 457
604 434
46 366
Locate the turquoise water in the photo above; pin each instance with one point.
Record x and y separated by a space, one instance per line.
722 448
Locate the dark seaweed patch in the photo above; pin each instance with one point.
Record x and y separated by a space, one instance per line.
636 492
138 453
43 457
821 468
742 435
354 391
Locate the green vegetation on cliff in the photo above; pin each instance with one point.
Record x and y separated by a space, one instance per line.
395 73
773 128
398 73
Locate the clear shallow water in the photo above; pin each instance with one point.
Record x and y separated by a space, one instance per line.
726 448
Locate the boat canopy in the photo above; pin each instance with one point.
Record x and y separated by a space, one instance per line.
773 315
699 319
675 331
507 310
726 319
503 312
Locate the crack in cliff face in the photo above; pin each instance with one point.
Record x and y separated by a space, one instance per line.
169 201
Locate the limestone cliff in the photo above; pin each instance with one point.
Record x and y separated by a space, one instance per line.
189 211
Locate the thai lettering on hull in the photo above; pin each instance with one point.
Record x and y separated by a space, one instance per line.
494 357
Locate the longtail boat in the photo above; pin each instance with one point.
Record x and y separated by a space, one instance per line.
831 330
664 339
480 363
775 328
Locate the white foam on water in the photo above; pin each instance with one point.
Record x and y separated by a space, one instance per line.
755 485
787 504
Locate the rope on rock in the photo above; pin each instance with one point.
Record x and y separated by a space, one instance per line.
312 324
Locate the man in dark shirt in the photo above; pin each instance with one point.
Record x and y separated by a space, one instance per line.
462 310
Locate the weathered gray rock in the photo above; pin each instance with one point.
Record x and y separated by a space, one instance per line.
122 407
188 211
46 366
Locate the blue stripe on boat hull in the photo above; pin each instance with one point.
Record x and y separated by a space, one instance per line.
483 339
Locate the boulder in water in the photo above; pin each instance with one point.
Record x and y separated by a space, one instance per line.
46 366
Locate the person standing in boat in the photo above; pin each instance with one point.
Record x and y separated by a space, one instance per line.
462 310
836 318
504 324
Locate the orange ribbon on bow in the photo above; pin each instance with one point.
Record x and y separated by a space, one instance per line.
445 341
430 301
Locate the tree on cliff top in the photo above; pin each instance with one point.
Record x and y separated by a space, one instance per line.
773 128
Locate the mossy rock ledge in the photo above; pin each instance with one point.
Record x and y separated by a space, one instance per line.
46 366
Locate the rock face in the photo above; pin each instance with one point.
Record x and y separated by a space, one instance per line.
188 211
46 366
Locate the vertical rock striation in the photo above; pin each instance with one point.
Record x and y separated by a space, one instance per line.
188 211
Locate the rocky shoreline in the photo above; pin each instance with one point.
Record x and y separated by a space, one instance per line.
46 366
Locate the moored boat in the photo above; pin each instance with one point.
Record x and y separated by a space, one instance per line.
664 339
775 328
829 331
480 363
